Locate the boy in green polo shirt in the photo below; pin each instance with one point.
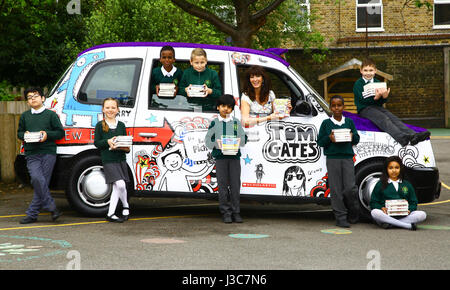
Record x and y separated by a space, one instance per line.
40 152
341 171
200 75
167 73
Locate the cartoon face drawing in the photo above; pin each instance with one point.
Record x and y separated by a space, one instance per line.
294 182
173 161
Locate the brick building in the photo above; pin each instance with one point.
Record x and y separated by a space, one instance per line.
409 43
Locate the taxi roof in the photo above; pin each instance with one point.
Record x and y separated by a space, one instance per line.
271 52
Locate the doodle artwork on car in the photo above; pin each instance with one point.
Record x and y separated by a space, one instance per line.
294 182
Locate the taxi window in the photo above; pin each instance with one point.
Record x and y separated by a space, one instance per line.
112 79
181 102
282 85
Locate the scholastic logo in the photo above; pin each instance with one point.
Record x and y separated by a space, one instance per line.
259 185
291 143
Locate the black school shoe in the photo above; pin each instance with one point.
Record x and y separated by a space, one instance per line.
342 223
28 220
114 220
237 218
419 137
56 214
226 218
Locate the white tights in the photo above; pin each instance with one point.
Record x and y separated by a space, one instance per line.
119 191
416 216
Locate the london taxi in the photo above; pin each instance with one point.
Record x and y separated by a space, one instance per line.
172 127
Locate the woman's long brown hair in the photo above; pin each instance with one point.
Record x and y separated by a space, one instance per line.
266 85
105 126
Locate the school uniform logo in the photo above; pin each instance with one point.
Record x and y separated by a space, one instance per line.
405 190
291 143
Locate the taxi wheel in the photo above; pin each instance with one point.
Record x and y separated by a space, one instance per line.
367 175
86 190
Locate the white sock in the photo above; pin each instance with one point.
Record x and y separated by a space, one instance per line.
120 187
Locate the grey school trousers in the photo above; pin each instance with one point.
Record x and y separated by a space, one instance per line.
388 123
343 190
40 167
228 173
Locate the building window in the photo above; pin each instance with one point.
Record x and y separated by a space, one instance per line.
369 13
441 14
305 11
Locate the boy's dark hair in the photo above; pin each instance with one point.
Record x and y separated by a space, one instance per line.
337 97
32 90
384 174
368 62
167 47
227 100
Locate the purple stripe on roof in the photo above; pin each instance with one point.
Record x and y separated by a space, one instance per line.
190 45
364 124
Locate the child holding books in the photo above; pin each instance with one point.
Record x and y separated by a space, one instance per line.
369 104
228 165
113 157
41 155
167 73
341 170
199 83
393 186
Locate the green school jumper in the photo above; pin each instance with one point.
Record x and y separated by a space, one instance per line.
363 100
405 191
337 150
46 121
101 142
217 129
210 78
158 78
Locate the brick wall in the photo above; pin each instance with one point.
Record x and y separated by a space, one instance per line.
403 25
417 91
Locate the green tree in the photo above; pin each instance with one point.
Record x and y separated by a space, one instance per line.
143 20
256 23
33 39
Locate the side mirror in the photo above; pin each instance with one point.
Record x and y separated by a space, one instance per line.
303 108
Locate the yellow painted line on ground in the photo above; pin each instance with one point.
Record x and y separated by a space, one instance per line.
439 137
97 222
437 202
19 215
445 185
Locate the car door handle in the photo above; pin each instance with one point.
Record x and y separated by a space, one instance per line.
148 135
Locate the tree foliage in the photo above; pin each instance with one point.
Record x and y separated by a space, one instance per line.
33 39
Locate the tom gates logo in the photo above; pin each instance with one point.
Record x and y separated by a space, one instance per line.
291 143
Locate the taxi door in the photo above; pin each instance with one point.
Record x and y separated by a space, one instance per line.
282 158
169 155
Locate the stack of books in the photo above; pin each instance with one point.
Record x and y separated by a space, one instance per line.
123 141
230 145
281 107
166 90
32 137
342 135
196 91
369 89
397 207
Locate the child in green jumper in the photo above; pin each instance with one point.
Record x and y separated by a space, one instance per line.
199 74
40 155
393 186
167 73
341 171
228 167
113 157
